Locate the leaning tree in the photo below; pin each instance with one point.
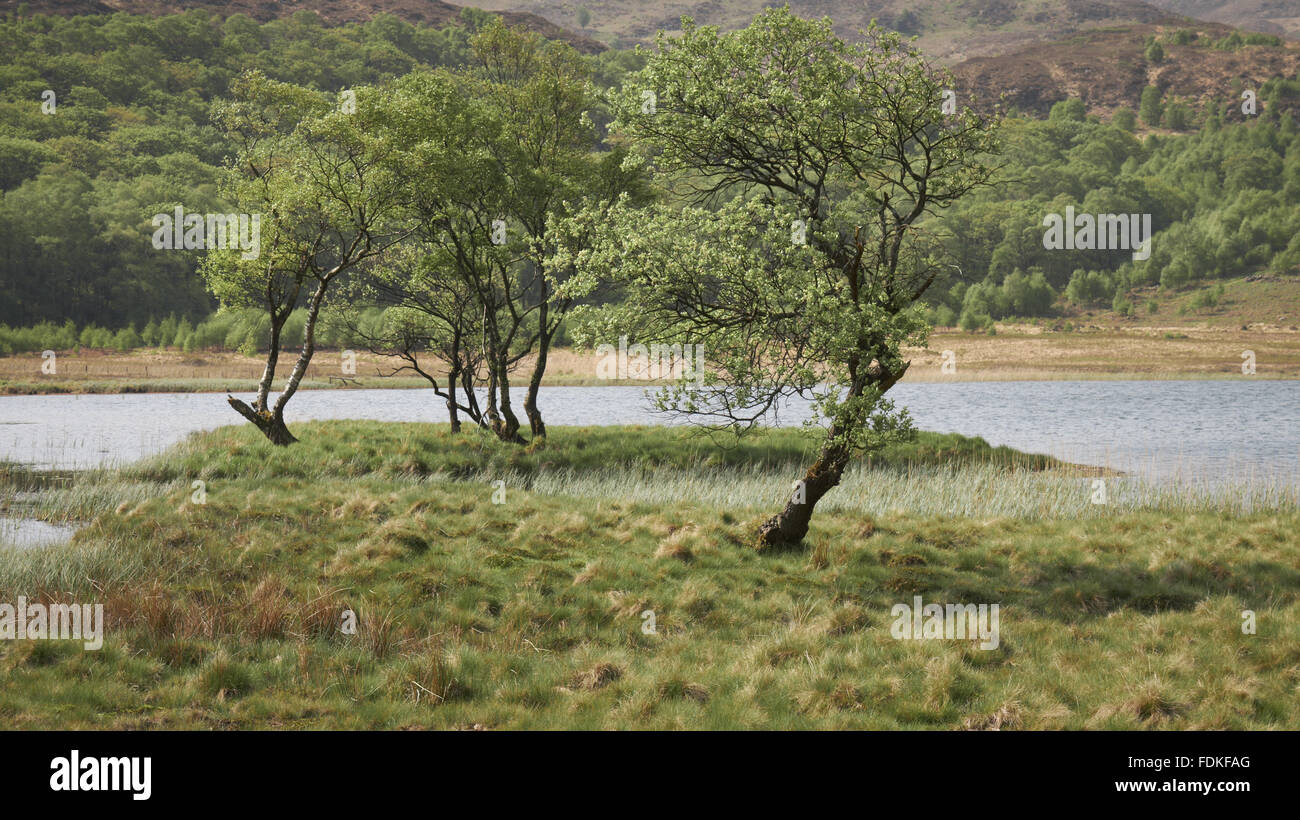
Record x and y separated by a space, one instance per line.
315 172
806 175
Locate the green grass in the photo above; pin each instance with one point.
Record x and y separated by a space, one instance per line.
981 490
414 450
528 613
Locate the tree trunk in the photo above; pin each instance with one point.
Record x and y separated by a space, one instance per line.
788 527
535 422
271 423
270 420
272 361
507 428
308 349
472 408
490 412
452 412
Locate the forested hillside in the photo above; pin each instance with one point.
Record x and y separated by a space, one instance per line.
129 133
1223 202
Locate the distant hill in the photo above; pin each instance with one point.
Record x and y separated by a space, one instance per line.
949 30
1280 17
1108 69
428 12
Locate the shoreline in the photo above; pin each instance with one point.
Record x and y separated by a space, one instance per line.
1017 352
68 388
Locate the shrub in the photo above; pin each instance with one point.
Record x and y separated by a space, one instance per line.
944 316
972 321
1150 107
127 339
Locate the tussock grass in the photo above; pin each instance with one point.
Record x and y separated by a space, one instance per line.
531 613
346 449
985 490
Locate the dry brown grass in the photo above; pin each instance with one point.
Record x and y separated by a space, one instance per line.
1007 716
1019 352
269 609
597 676
1027 352
218 371
677 544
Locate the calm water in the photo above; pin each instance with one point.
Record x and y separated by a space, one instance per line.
1194 430
28 532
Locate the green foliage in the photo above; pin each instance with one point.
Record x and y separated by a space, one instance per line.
1176 117
1090 287
127 339
1149 107
43 336
813 245
1207 298
943 316
245 330
1239 40
972 321
1019 295
133 137
1222 202
1072 109
1121 303
149 335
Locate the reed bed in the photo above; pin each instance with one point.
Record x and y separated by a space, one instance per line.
979 491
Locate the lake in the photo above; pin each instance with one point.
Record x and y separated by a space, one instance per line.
1211 431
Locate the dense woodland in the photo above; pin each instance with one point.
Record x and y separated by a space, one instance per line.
134 134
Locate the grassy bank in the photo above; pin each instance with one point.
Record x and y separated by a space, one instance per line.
529 612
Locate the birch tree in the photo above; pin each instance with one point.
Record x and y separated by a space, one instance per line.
493 156
315 172
807 174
